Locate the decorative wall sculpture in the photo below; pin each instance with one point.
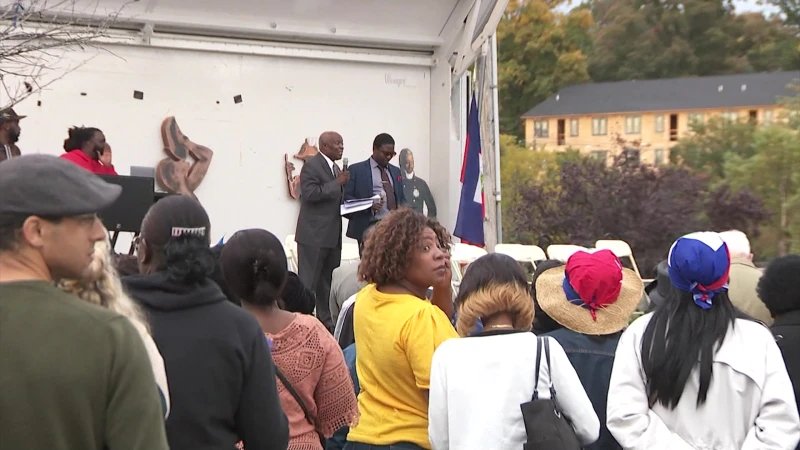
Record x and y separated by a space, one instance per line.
175 173
307 150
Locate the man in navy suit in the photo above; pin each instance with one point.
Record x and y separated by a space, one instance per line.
370 177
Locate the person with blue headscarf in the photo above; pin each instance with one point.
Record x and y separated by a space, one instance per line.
696 373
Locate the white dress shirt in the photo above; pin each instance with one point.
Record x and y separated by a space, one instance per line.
478 384
329 161
750 403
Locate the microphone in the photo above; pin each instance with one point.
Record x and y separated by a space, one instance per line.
344 164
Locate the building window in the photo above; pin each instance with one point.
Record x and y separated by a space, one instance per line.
659 123
600 126
695 119
573 127
541 128
769 117
730 116
600 155
633 124
658 160
631 155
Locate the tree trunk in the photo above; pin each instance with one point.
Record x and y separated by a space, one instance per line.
783 240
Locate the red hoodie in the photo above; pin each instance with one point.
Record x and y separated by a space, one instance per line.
92 165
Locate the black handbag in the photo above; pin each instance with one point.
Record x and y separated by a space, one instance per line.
545 425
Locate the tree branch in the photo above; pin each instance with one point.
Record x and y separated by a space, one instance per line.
36 37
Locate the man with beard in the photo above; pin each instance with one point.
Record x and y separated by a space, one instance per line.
9 134
417 193
87 147
75 375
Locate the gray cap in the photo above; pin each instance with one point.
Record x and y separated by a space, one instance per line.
44 185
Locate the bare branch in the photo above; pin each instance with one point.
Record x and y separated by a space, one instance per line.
37 35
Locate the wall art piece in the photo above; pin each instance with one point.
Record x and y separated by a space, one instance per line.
176 173
307 150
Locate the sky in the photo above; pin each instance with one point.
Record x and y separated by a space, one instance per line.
752 5
741 6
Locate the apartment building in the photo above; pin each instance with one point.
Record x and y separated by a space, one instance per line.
654 114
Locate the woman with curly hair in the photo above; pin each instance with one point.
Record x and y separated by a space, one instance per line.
101 286
397 330
501 358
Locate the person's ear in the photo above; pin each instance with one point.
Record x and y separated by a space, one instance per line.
143 254
34 231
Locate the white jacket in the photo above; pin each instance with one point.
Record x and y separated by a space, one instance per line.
750 403
478 384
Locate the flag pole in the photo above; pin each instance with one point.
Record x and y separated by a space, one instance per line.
484 90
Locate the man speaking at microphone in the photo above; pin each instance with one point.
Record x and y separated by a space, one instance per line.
370 177
319 224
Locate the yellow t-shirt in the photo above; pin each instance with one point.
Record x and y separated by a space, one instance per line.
396 336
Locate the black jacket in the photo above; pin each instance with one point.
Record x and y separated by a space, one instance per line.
786 329
220 372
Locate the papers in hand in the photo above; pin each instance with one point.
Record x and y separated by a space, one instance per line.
360 204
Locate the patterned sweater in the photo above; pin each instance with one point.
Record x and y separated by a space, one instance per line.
312 361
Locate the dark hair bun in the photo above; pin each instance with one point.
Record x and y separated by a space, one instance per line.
254 264
188 259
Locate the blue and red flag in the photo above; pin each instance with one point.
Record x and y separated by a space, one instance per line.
471 212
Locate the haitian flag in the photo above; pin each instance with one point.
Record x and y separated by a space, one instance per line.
469 224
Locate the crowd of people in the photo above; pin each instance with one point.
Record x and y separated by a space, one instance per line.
194 346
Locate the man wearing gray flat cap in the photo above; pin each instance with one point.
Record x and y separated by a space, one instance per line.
74 375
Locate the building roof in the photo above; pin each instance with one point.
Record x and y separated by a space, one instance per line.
673 94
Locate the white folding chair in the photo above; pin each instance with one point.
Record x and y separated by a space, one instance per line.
350 253
461 255
290 246
562 252
619 248
522 253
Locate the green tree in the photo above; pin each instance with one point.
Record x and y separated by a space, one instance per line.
790 10
520 169
539 52
773 173
640 39
707 147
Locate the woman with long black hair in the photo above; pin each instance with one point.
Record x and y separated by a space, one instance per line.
222 378
696 375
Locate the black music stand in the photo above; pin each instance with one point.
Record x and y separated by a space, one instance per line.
127 213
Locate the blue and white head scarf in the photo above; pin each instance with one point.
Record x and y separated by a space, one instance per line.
700 263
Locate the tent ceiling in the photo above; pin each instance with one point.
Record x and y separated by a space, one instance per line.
410 23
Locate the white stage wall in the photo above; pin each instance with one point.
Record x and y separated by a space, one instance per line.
284 101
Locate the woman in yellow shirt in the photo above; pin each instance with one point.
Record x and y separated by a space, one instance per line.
397 330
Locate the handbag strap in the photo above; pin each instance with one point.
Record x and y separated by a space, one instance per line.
538 365
550 374
294 394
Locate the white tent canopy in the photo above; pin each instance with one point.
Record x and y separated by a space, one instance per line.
428 42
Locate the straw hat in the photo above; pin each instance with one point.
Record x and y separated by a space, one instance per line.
613 293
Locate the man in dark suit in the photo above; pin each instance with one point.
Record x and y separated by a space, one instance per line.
319 225
9 134
370 177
